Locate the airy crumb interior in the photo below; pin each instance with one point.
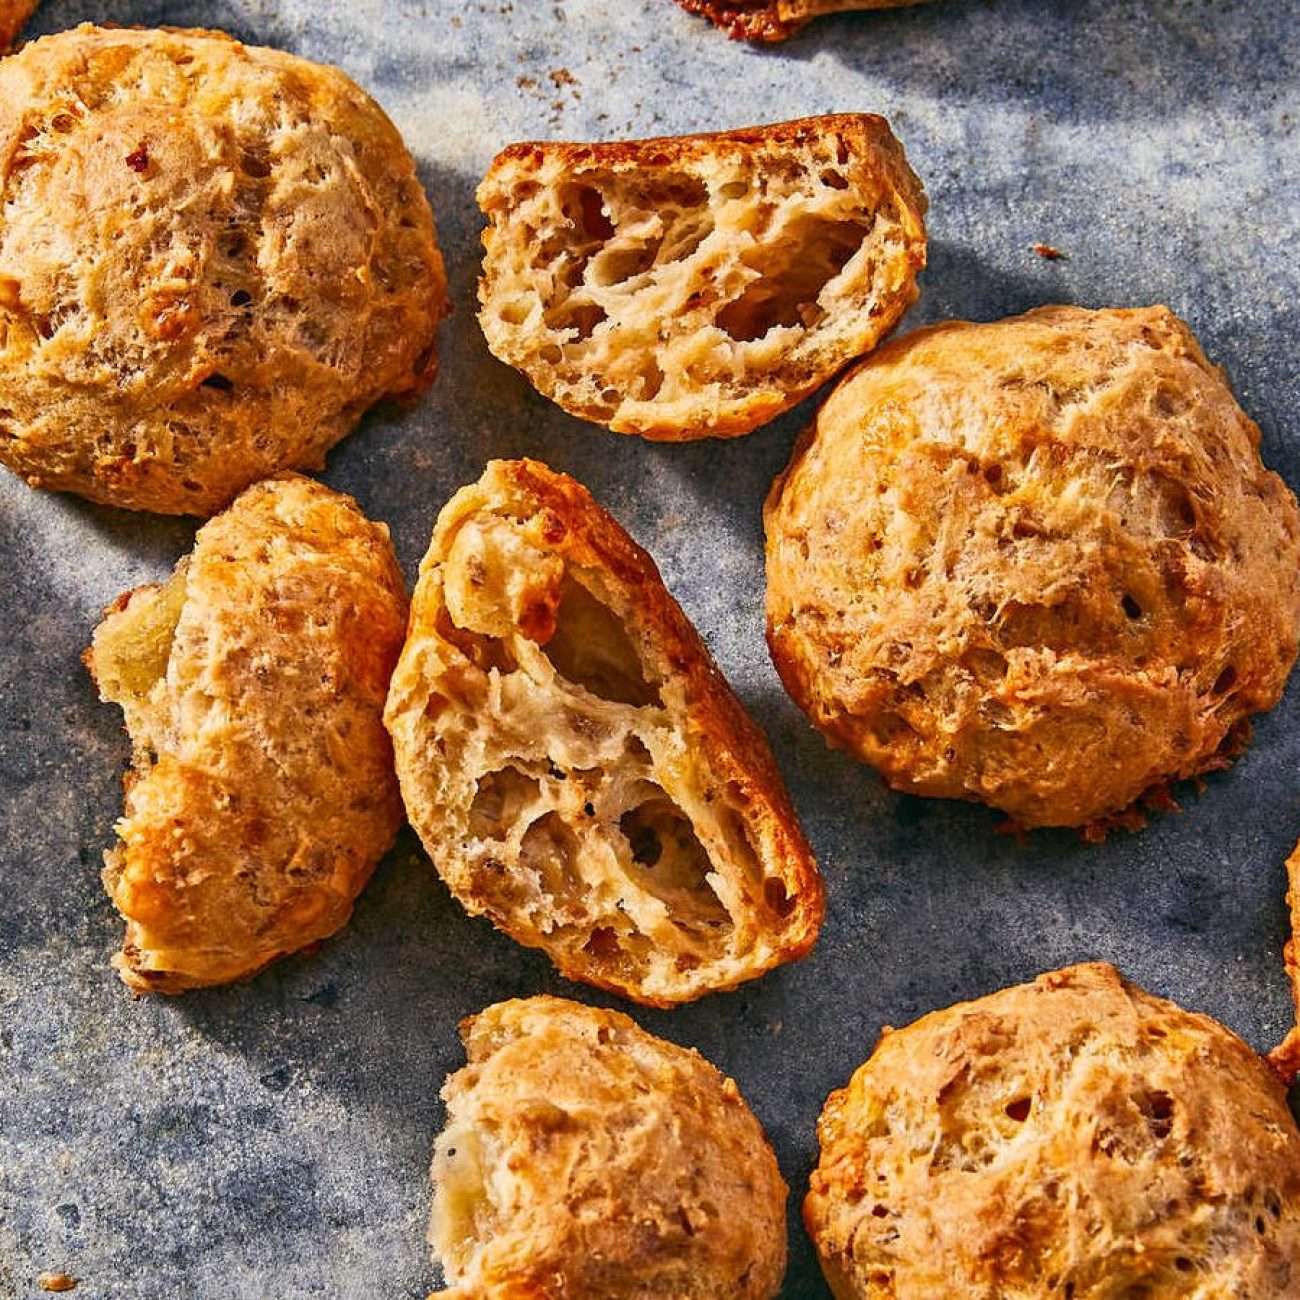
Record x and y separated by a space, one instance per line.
585 813
643 287
466 1165
132 647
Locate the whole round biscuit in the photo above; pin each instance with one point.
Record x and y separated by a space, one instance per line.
1036 563
585 1159
1074 1137
213 259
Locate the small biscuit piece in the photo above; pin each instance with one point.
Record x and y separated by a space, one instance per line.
13 14
1285 1057
698 286
575 763
1036 563
213 259
775 20
1073 1137
253 683
584 1159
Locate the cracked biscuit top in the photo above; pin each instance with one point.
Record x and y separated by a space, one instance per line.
213 259
1036 563
1070 1138
584 1159
252 682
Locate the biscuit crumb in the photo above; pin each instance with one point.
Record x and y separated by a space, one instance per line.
1049 253
56 1282
843 221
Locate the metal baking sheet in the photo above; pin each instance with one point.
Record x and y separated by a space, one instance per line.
271 1139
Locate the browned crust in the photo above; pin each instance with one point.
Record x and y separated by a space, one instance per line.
666 150
1152 1151
13 14
642 1175
219 355
775 20
1253 500
262 794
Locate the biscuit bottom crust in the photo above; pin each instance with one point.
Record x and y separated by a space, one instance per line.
1070 1137
583 1158
574 762
1036 563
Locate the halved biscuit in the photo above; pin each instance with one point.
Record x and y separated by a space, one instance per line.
575 763
1073 1137
775 20
698 286
253 682
584 1159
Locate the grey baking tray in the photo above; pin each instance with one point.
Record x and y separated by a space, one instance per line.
271 1139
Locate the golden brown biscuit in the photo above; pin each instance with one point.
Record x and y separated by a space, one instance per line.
775 20
253 683
698 286
584 1159
213 259
1070 1137
13 14
1285 1057
575 763
1036 563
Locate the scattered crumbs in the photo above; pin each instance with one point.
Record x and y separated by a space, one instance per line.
526 83
56 1282
1048 253
563 77
777 1027
138 159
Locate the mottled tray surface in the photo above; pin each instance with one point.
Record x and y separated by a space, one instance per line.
272 1139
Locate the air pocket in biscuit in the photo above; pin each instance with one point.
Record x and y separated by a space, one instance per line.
574 762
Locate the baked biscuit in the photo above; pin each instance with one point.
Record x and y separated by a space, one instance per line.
1285 1057
253 681
1036 563
584 1159
575 763
213 259
698 286
1070 1137
13 14
775 20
